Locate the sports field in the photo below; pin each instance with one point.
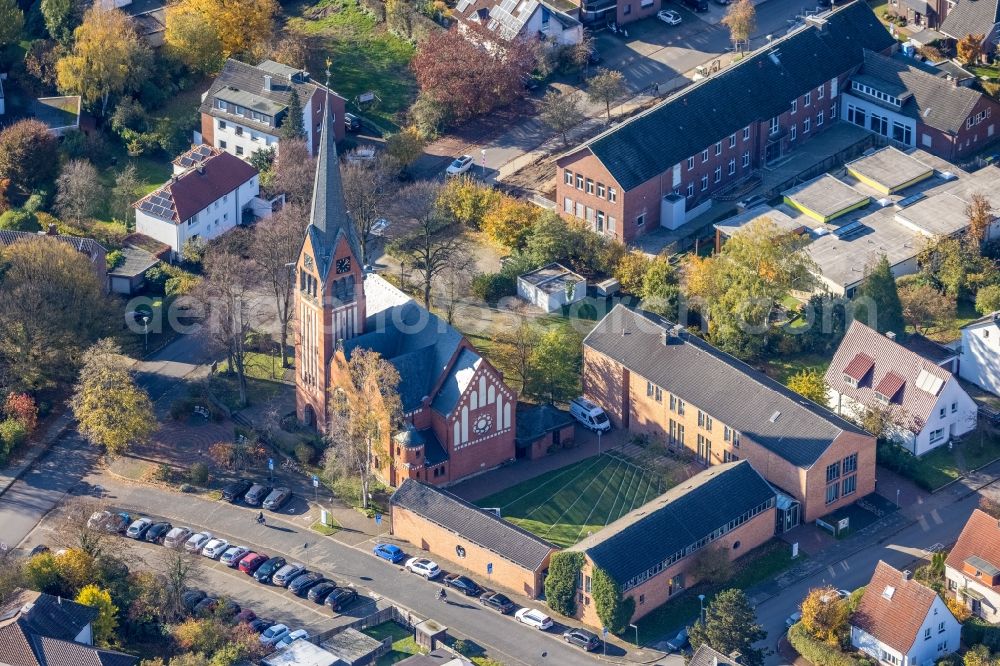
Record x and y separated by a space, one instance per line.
565 505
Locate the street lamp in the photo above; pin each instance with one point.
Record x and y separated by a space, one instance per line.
599 441
483 152
145 332
897 498
636 627
701 611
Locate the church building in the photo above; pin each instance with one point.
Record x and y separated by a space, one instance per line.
459 414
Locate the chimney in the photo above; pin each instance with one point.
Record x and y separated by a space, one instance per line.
890 335
665 337
715 661
623 331
907 574
736 656
52 230
267 83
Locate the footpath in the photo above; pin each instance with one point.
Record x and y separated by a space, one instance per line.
38 444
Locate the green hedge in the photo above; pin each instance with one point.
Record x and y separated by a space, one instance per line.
560 584
818 652
978 631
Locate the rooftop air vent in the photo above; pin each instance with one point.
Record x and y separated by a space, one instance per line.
774 417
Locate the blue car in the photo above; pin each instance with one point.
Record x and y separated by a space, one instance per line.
388 551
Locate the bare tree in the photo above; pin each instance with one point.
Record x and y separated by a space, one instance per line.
605 87
294 172
562 112
514 351
79 191
276 244
434 244
128 188
454 282
229 296
367 189
364 410
179 568
72 530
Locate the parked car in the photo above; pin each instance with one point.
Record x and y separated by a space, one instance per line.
227 608
582 638
321 590
235 490
256 494
277 498
231 558
138 528
284 575
106 521
464 584
680 642
341 598
215 548
301 584
38 550
196 542
722 2
273 634
533 618
696 5
669 16
390 552
459 166
190 598
292 637
246 616
498 602
793 619
251 562
157 532
205 607
265 572
177 537
423 567
590 415
352 123
260 625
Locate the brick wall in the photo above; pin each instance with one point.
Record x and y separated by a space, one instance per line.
633 10
655 591
815 505
971 140
207 129
441 544
595 179
604 383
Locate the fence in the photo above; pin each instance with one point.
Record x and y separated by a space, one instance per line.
400 615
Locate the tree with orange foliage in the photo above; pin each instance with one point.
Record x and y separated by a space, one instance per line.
970 48
825 615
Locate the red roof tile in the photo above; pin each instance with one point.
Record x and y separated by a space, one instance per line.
180 198
890 385
893 608
980 538
859 366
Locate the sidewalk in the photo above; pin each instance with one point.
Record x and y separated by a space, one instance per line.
37 445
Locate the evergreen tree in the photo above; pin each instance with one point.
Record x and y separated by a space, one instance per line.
292 127
730 625
878 303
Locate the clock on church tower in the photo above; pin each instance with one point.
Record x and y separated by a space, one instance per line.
343 265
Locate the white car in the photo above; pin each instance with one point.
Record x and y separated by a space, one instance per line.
233 555
290 638
459 166
215 548
138 528
197 541
274 634
423 567
669 16
533 618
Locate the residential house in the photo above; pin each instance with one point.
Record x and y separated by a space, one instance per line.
204 201
655 378
596 14
90 248
649 551
973 566
663 166
59 114
927 14
974 17
460 415
149 17
706 655
39 629
901 622
550 21
979 353
456 531
908 102
923 401
244 108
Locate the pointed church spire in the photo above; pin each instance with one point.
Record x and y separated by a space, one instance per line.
328 215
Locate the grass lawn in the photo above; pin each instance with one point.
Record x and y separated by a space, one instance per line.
403 645
984 71
364 57
262 366
757 566
942 466
964 313
567 504
325 529
226 388
782 368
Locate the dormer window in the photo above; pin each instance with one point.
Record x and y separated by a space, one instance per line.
850 380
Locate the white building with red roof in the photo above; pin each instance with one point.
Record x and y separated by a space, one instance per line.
902 622
207 196
973 566
923 401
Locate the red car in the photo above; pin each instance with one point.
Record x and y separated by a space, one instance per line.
251 562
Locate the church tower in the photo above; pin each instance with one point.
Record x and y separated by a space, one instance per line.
329 289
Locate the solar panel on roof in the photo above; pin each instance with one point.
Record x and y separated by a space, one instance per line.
849 230
929 383
910 200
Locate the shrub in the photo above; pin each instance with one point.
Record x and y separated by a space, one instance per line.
187 488
34 203
560 584
114 259
198 473
817 652
19 220
181 408
12 434
491 287
614 611
958 609
305 453
21 407
977 631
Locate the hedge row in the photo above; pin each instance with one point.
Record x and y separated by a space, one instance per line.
817 652
977 631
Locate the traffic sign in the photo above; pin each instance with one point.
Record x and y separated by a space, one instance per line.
270 463
378 518
489 568
604 630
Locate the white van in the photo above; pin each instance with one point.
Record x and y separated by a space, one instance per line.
590 415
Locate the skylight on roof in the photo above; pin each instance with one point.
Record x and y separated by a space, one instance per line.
928 382
888 591
774 417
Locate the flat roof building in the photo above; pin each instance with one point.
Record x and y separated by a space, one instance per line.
825 198
889 170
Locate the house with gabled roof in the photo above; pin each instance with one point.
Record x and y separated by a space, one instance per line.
923 401
90 248
244 108
974 17
457 531
655 378
459 413
549 21
972 568
649 551
901 622
206 197
979 353
662 167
